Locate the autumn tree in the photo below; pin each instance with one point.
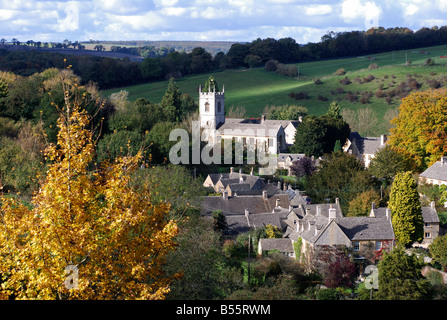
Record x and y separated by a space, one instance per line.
406 212
90 233
420 128
361 205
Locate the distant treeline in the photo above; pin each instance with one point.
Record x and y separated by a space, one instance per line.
109 72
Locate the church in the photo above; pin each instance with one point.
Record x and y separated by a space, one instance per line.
274 135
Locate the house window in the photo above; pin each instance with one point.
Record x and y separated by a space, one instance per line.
428 224
378 245
356 245
207 107
427 235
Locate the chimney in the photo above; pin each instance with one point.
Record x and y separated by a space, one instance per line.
284 186
262 118
307 211
231 169
247 213
433 205
240 171
290 187
279 185
373 205
337 201
443 161
251 171
318 209
300 119
332 214
388 213
264 195
383 139
225 195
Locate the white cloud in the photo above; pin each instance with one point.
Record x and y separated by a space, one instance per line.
165 3
317 10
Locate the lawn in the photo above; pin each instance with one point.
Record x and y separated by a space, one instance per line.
255 88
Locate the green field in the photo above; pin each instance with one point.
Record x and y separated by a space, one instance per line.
255 88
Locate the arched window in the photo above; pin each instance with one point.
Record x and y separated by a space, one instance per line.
207 107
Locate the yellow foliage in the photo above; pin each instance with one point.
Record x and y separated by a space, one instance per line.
95 221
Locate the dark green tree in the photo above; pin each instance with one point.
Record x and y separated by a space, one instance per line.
400 277
309 138
340 175
172 101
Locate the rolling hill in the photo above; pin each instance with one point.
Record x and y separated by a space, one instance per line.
377 82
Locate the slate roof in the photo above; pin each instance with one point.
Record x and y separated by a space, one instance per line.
366 228
252 124
237 205
312 224
430 215
437 170
366 145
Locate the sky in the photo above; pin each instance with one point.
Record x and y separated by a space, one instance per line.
209 20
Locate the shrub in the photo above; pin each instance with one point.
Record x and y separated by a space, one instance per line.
369 78
351 97
340 72
345 81
340 90
429 62
433 83
271 65
299 95
318 81
328 294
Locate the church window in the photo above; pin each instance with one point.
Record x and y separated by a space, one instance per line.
207 107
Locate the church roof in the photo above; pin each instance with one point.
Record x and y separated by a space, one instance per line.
252 124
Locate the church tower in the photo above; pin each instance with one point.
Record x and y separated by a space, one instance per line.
211 105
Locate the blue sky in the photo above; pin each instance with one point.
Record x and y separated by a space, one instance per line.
227 20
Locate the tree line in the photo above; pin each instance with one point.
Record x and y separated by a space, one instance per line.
109 72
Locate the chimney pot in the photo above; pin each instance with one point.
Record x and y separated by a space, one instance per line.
264 194
231 169
262 118
225 195
332 214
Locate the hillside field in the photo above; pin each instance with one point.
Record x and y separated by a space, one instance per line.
255 88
